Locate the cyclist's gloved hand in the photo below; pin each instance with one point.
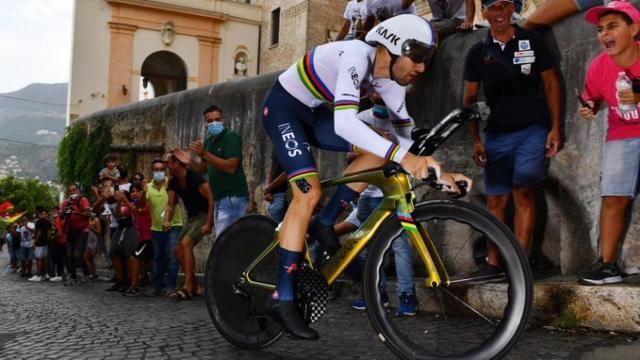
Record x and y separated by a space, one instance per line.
419 166
455 183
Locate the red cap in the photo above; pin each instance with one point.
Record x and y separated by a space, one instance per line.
593 15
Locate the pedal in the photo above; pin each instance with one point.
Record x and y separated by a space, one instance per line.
312 293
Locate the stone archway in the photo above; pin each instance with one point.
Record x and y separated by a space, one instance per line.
166 72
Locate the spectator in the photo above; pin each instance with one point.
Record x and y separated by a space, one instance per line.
76 210
123 242
13 246
105 206
42 239
26 230
111 171
122 184
451 16
381 10
550 12
617 25
94 232
275 192
163 241
222 151
196 197
512 64
143 253
355 17
58 244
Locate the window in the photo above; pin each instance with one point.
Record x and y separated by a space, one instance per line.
275 27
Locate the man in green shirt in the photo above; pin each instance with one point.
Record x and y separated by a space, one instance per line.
222 157
163 241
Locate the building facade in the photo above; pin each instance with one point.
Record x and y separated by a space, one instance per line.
128 50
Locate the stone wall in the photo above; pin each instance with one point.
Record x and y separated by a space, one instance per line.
568 211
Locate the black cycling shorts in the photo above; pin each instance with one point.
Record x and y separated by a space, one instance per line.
293 127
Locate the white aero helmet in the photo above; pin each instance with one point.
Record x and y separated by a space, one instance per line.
405 35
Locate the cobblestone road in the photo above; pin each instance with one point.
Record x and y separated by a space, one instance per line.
50 321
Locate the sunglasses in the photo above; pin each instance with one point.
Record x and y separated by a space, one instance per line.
417 51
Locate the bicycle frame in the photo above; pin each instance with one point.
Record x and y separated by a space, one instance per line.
399 199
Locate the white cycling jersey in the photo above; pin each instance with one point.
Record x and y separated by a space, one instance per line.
336 73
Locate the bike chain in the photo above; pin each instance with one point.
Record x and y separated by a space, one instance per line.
312 293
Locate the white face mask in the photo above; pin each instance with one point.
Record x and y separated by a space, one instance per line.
158 175
73 196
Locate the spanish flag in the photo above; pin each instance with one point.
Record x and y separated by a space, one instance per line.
14 218
7 205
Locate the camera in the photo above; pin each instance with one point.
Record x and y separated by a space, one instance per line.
66 213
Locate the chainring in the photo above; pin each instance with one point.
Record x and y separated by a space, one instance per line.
312 293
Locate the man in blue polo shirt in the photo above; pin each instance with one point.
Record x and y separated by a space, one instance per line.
522 89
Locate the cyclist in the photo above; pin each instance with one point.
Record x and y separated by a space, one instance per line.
393 55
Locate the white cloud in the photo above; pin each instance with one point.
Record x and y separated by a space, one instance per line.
36 42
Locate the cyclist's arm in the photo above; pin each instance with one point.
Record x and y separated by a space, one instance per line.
351 71
394 98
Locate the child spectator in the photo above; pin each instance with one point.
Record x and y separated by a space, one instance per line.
42 237
111 170
58 245
90 250
26 230
617 25
143 253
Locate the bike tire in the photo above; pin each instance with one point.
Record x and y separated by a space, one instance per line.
238 316
421 339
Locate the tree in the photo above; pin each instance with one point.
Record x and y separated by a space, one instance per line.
25 195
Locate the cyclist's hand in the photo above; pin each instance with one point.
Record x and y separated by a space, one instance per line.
450 181
418 166
586 112
479 154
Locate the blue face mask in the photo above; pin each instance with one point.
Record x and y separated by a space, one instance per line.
158 175
215 128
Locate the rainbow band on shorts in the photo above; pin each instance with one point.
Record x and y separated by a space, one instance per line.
303 173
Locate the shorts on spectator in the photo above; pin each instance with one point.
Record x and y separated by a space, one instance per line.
193 228
41 252
144 251
124 241
621 168
26 253
587 4
515 159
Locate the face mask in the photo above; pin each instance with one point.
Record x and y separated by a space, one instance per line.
73 196
158 175
215 128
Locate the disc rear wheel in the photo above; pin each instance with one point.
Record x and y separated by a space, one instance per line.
237 308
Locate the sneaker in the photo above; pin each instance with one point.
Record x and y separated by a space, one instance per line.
47 277
56 279
153 292
486 273
115 287
123 287
360 304
35 278
408 304
131 292
602 273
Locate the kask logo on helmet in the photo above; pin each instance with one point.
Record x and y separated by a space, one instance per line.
388 35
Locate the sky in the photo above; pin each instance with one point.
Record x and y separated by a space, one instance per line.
36 42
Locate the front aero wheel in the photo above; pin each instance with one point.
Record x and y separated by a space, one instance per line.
236 308
478 315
